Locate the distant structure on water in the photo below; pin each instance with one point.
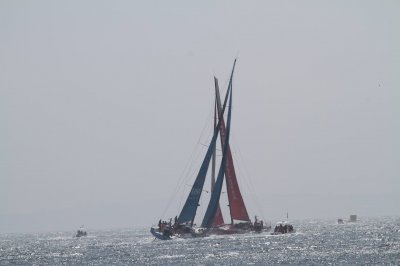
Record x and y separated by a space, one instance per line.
353 218
81 232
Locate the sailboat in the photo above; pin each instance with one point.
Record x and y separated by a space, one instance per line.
213 222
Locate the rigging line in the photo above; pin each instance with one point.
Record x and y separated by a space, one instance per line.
246 190
205 145
226 81
201 206
180 180
190 174
242 179
188 166
206 123
250 182
188 169
204 190
248 177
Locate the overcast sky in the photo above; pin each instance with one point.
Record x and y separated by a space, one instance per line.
102 104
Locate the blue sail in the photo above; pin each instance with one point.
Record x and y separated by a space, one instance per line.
189 209
192 202
216 193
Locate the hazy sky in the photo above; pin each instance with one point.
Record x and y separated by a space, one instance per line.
102 104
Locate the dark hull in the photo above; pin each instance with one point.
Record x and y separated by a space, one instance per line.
232 229
80 233
159 235
280 233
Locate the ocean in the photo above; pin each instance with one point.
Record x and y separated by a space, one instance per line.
370 241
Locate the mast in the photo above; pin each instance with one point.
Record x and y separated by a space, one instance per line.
215 195
237 207
189 210
218 219
215 151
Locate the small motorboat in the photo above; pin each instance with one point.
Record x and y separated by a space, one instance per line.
164 234
80 233
258 225
353 218
283 227
168 231
340 221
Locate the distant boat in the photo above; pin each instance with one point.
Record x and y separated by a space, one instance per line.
164 234
353 218
213 222
340 221
283 227
259 225
81 232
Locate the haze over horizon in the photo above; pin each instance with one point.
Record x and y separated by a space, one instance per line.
102 104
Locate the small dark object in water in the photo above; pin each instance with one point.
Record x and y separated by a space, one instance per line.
81 233
353 218
283 228
258 224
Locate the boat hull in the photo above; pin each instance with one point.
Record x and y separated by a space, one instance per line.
282 228
280 233
231 229
81 233
159 235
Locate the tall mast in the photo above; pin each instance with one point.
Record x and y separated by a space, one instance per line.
189 210
215 151
215 195
218 219
237 207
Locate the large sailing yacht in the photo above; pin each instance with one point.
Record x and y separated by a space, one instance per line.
213 223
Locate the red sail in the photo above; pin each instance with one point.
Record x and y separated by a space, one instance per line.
236 204
218 218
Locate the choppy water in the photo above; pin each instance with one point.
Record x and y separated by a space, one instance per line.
369 241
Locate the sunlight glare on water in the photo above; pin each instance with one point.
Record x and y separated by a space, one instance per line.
317 242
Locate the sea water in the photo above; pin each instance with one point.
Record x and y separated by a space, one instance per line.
316 242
